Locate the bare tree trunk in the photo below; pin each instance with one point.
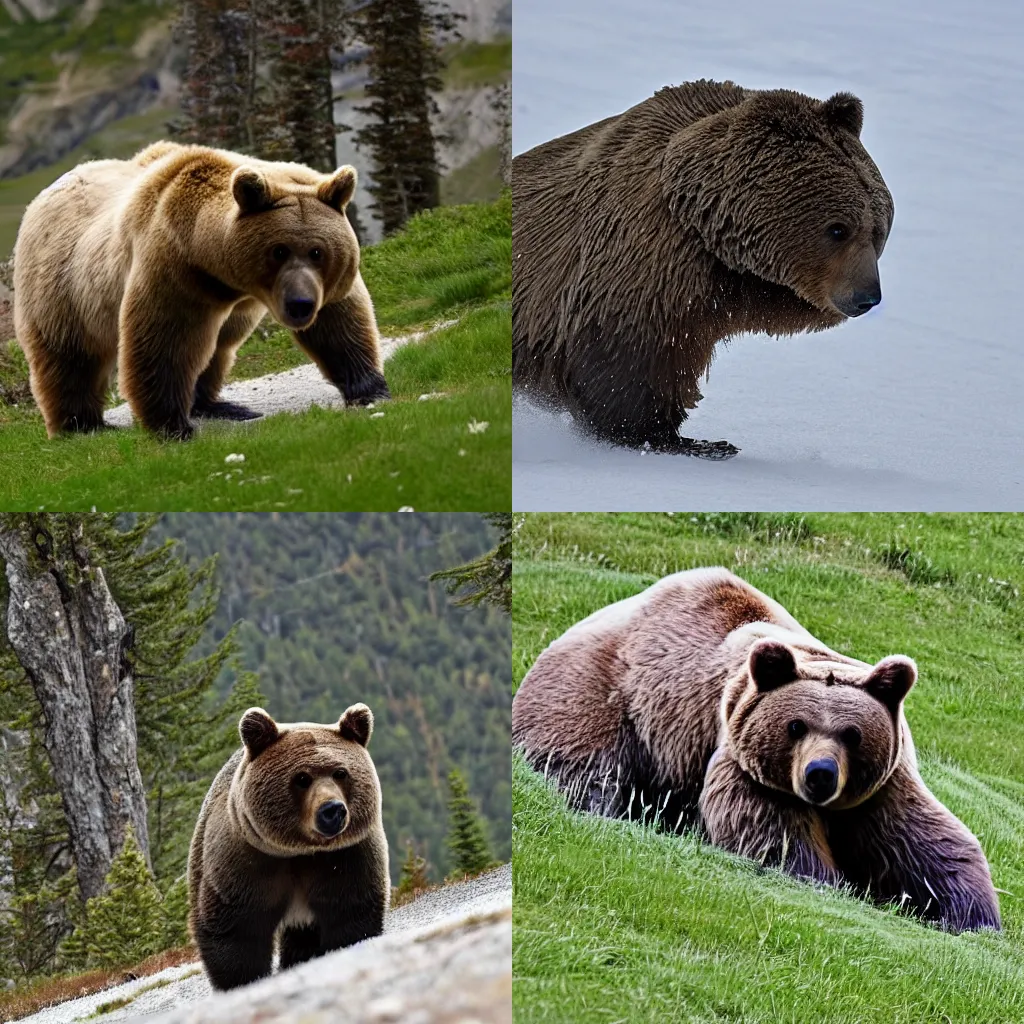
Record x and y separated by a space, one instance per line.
71 639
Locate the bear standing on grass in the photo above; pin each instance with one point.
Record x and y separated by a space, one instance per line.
707 211
165 264
289 843
702 701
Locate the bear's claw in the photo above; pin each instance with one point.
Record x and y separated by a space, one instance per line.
211 409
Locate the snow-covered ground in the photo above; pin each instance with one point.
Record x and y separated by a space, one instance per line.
919 404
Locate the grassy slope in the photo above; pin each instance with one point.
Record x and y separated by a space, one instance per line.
614 922
452 262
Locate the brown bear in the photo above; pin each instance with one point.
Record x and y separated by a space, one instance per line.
289 842
702 702
706 211
166 263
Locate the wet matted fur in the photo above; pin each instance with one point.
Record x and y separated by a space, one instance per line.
642 241
703 702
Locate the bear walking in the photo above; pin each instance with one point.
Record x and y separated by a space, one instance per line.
706 211
164 265
289 842
701 701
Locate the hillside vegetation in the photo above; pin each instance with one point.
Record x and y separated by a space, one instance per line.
614 921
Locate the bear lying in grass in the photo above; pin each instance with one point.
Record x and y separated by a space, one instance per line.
706 211
703 702
164 265
289 845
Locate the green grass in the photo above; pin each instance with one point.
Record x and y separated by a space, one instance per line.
616 922
451 263
470 65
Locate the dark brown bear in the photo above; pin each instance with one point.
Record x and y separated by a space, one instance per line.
289 843
702 701
707 211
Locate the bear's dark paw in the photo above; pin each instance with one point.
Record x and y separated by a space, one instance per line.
178 430
370 388
210 409
717 451
87 423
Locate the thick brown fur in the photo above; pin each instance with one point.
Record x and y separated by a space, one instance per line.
260 865
702 702
164 265
642 241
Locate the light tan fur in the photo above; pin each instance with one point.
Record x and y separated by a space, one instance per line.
164 264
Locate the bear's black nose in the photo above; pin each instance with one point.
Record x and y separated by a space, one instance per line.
868 298
822 777
330 817
299 309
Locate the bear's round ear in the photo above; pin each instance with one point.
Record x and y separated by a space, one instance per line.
258 730
891 679
250 189
772 664
844 111
356 724
338 189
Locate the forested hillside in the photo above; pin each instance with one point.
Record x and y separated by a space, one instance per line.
334 609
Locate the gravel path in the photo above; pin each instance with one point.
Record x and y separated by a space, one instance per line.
446 957
288 391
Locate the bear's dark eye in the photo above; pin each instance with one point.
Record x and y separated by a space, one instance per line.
340 774
303 780
838 232
796 729
851 736
316 255
280 253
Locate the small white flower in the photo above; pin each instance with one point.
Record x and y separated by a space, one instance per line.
234 457
433 394
376 415
407 508
462 451
477 426
350 478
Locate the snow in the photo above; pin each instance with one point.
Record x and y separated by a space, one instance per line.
917 405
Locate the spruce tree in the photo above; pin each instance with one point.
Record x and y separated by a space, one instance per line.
488 578
413 878
404 63
466 839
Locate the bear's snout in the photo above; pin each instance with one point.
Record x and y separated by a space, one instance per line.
821 777
330 817
299 311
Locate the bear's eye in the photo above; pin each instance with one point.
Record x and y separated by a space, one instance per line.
280 253
303 780
838 232
851 736
796 729
340 773
316 255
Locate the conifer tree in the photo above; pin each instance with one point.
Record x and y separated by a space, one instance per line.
413 878
466 839
488 578
404 64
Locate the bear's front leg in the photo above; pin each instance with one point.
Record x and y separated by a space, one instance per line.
902 845
744 817
235 949
343 342
299 945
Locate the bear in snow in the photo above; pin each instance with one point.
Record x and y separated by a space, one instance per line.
289 843
164 265
701 701
706 211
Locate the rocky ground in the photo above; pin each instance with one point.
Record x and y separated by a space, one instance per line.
443 959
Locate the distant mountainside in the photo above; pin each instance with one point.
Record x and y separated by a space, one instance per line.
338 608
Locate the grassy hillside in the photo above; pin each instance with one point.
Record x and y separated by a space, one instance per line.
616 922
451 263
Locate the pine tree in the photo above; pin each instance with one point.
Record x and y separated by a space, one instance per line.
175 914
466 839
404 64
413 879
488 578
126 923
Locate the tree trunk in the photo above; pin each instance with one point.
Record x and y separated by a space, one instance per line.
71 639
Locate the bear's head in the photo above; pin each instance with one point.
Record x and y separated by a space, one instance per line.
780 186
290 244
304 787
831 742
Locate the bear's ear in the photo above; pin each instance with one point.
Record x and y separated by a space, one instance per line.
844 111
250 189
772 664
258 730
338 189
891 679
356 724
